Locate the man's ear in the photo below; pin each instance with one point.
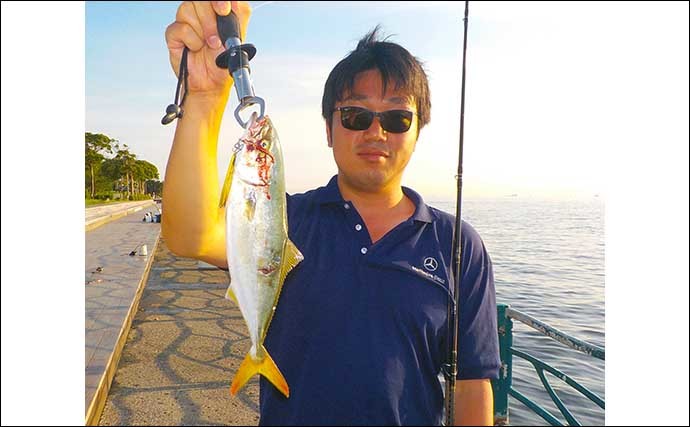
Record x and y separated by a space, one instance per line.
328 134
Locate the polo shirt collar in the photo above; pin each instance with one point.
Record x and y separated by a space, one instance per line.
331 194
422 212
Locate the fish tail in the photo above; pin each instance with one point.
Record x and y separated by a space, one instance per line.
266 367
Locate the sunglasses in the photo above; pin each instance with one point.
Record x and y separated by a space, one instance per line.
357 118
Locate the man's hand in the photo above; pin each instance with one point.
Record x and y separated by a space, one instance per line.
195 27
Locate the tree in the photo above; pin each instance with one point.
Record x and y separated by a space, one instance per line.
144 171
95 145
112 169
121 172
126 161
154 186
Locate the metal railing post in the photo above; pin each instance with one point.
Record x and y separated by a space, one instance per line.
501 386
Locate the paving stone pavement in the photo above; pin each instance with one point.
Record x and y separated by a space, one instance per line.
182 352
113 279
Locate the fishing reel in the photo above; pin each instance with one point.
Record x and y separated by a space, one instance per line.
236 59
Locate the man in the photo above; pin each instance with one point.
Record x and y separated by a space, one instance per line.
361 325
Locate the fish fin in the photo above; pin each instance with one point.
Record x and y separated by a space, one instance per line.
228 181
266 367
229 294
291 257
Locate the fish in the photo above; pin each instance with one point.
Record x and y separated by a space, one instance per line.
259 251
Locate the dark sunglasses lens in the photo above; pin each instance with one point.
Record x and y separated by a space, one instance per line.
396 121
356 118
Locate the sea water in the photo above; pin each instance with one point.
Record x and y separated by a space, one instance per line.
548 259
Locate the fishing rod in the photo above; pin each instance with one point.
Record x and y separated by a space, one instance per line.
453 306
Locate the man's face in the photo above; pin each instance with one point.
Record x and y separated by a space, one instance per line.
373 159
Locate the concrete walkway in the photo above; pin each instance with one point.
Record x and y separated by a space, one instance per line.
184 347
113 283
98 215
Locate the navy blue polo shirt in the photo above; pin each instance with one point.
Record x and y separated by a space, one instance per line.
360 329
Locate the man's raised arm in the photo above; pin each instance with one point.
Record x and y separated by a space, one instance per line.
193 224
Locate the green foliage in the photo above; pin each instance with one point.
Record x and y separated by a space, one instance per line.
154 186
95 145
137 196
112 169
145 170
122 172
108 195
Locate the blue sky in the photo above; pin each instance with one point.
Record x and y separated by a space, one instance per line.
549 85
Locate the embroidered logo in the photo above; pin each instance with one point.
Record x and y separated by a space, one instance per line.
430 264
428 275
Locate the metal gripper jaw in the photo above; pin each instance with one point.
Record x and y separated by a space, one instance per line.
236 59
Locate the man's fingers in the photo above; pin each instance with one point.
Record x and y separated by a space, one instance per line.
241 8
221 7
180 34
207 17
186 13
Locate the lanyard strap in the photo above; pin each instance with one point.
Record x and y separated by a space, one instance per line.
174 111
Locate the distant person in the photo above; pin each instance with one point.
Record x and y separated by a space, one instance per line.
361 326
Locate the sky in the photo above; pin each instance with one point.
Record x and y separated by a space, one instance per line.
563 100
547 85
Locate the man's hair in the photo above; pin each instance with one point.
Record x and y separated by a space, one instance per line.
394 63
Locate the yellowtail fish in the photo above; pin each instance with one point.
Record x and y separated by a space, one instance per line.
259 252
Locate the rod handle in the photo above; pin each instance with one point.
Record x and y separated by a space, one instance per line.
228 26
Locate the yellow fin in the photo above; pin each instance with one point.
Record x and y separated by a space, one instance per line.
250 206
291 257
265 367
229 294
228 181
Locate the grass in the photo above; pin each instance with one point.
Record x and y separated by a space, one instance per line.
96 202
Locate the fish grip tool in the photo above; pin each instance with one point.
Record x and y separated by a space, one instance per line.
236 59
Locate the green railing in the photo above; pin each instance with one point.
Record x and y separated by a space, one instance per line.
503 386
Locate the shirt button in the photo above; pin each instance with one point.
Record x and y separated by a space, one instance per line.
358 227
346 206
364 250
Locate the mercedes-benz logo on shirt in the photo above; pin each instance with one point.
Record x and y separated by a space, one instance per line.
430 264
